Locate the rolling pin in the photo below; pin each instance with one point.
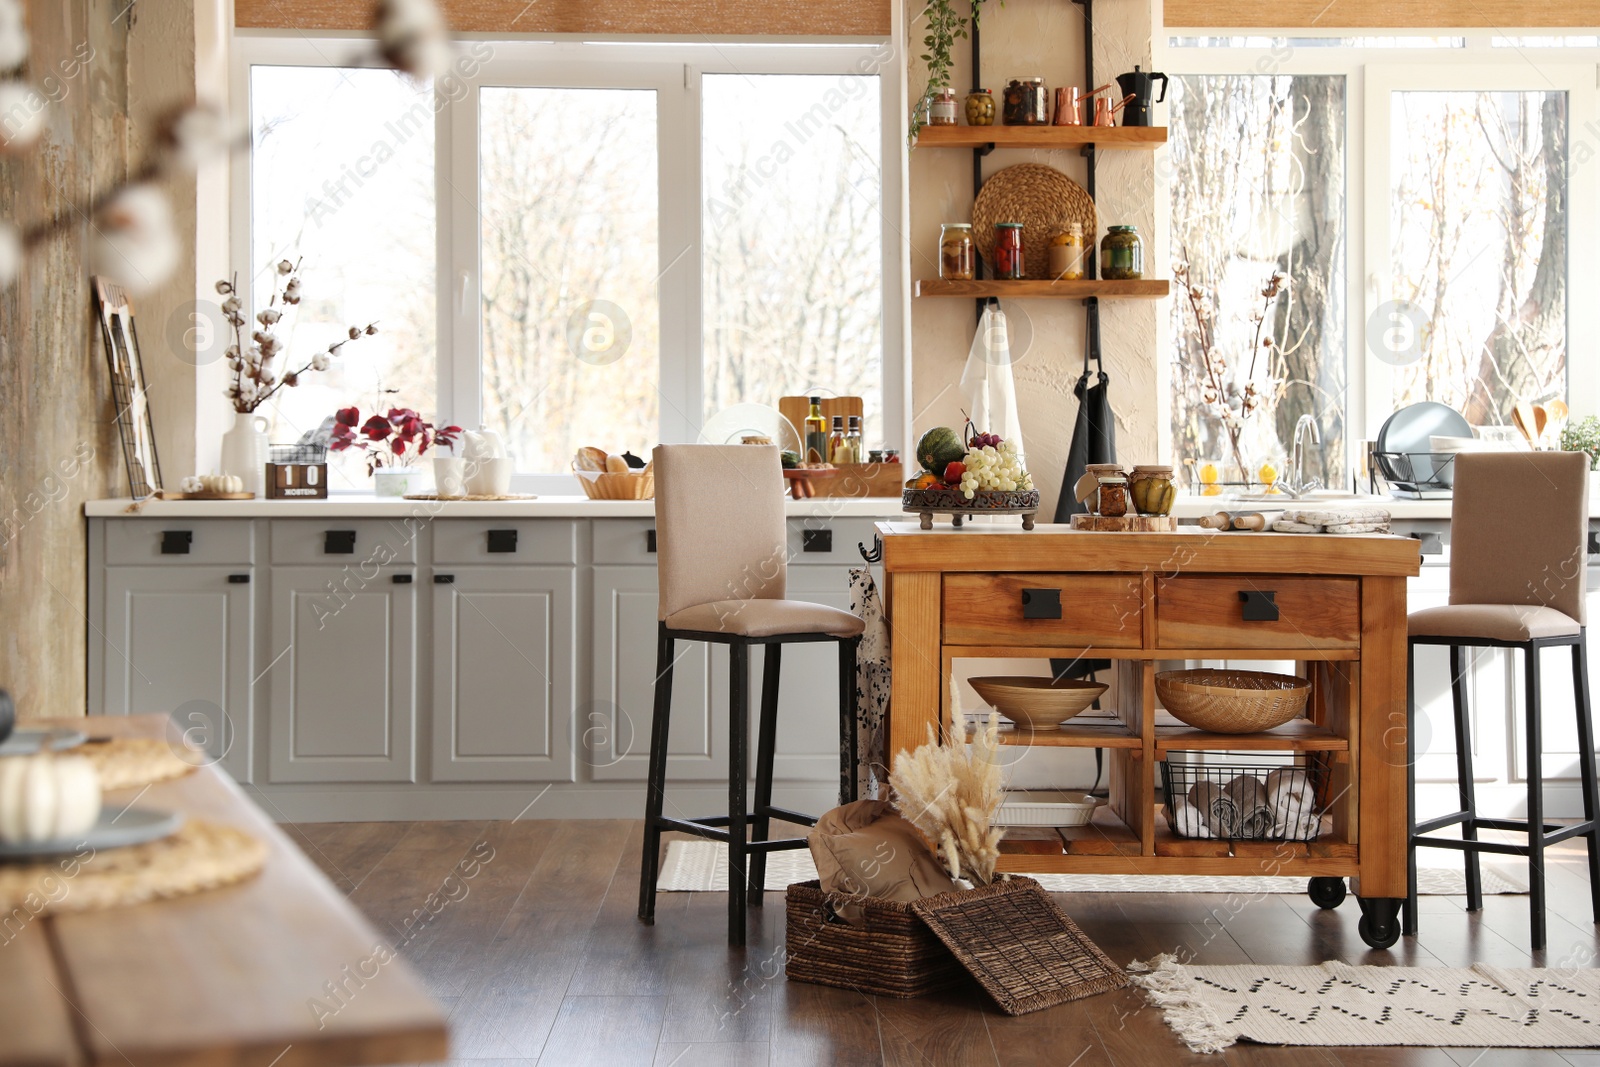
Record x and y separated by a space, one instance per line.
1255 521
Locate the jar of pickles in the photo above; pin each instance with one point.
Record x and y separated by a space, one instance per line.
958 259
1122 254
942 108
1152 489
1066 253
1026 103
1008 251
980 108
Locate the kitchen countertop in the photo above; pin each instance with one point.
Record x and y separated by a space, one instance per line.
355 505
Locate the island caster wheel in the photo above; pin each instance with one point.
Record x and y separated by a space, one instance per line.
1326 893
1380 921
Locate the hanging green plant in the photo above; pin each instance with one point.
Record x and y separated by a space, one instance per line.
945 26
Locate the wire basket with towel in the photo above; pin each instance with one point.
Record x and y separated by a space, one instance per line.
1246 801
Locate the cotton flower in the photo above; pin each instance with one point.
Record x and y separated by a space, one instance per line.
268 316
413 37
10 254
134 242
21 116
355 332
13 35
321 361
224 288
285 267
231 306
194 135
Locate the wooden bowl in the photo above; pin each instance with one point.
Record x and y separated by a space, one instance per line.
1038 703
1223 701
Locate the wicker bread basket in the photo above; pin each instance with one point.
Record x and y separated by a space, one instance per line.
635 485
1225 701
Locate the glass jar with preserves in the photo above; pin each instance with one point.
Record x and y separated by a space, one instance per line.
1121 254
958 259
1026 103
1066 253
1008 251
1111 495
980 108
942 108
1152 489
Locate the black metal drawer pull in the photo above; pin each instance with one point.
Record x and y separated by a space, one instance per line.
339 542
1041 603
176 542
238 579
1260 605
502 540
650 541
443 579
402 579
816 540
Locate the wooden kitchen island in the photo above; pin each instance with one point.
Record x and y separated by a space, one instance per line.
1337 608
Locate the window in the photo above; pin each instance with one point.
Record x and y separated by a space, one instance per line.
581 244
1431 201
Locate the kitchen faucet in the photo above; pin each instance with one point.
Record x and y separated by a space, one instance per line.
1299 484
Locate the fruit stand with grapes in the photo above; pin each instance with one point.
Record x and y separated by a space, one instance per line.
981 475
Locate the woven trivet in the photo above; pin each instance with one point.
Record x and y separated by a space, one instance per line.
131 762
1041 198
200 855
469 497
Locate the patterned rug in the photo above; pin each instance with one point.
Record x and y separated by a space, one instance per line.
1336 1004
702 867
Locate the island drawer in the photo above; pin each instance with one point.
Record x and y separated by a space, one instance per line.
1258 611
1054 610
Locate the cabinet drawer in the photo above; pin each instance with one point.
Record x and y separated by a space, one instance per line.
504 541
624 541
1101 610
821 539
352 541
1205 613
197 541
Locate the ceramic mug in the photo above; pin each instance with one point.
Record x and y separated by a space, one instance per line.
8 715
489 477
449 476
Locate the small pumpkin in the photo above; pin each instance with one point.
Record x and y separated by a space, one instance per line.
46 797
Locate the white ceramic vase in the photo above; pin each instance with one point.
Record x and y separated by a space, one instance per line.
391 482
244 451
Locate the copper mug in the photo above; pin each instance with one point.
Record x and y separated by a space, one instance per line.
1070 102
1104 109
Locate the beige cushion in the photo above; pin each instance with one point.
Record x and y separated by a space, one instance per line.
1496 622
765 618
1517 526
720 532
868 849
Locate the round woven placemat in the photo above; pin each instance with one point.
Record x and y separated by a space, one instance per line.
1043 199
200 855
130 762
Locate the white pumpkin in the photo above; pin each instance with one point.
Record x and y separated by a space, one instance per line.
46 797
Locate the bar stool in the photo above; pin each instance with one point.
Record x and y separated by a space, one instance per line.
722 557
1517 559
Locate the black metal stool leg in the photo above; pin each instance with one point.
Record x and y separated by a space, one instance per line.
1580 687
1535 804
738 760
1466 789
656 776
766 746
1408 911
849 754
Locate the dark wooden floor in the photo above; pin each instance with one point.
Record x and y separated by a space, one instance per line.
538 956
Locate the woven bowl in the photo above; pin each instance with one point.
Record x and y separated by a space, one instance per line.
1222 701
1043 199
1037 703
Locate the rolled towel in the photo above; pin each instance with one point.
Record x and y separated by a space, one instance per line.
1219 810
1294 804
1186 820
1250 797
1303 826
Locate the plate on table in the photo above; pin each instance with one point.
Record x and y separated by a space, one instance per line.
29 742
1411 430
114 829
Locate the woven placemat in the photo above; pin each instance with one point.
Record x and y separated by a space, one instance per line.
131 762
470 496
1044 200
200 855
1020 947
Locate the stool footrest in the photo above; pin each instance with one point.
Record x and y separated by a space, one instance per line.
779 844
699 828
1453 819
788 816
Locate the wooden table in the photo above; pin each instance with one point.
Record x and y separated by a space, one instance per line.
1134 598
227 977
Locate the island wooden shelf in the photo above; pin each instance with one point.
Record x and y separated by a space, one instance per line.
1149 137
1300 735
1084 731
1135 289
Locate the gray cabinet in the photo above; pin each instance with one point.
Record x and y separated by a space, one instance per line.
504 667
341 672
178 639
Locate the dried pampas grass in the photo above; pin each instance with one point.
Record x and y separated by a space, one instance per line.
951 791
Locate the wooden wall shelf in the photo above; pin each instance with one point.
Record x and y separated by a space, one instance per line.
1141 289
1149 137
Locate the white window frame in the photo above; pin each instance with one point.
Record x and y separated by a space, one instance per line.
1370 75
674 71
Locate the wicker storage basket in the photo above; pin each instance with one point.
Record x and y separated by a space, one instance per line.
1225 701
635 485
893 954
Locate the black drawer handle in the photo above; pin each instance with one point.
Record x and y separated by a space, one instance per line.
650 541
1041 603
238 579
502 540
816 540
402 579
443 579
176 542
1260 605
339 542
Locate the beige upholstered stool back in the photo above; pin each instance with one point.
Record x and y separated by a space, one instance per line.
719 524
1517 529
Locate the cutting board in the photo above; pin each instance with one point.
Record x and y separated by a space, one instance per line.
1125 523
